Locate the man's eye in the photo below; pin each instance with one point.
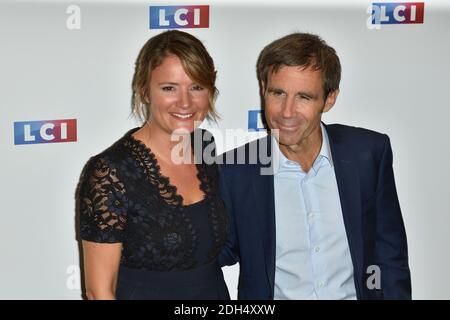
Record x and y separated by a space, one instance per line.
305 97
276 92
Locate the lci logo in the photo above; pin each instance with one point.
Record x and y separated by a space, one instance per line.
173 17
397 13
45 131
255 121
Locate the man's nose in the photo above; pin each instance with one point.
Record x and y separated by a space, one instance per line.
288 107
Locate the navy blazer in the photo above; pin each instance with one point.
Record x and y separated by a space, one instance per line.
373 222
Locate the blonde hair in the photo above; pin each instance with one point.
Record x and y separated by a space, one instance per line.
196 61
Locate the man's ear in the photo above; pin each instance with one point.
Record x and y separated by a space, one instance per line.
263 88
330 101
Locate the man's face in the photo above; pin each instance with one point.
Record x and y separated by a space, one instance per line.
294 103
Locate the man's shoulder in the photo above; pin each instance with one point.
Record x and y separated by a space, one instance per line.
349 134
246 161
252 153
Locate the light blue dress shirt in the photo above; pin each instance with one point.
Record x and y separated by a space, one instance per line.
312 253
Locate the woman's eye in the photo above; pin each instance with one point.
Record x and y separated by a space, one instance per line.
168 88
197 88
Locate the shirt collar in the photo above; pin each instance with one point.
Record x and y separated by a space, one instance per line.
324 155
325 151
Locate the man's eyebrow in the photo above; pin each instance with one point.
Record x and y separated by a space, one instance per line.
273 89
300 93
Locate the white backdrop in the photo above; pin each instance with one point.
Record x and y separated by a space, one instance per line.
395 80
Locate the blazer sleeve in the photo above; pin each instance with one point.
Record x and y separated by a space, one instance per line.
230 252
391 244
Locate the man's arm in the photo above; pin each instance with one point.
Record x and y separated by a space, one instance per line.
391 245
230 252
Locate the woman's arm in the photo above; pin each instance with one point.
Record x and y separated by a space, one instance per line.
101 266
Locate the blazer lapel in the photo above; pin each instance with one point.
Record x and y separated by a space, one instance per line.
348 182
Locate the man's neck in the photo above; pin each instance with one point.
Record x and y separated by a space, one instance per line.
304 153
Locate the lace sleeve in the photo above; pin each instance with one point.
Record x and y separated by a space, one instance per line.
102 203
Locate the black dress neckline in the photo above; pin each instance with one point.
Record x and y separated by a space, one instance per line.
145 149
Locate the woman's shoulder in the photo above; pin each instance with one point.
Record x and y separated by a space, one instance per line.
112 155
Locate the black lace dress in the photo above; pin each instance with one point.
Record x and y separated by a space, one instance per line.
169 249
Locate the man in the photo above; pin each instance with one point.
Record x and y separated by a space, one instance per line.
327 223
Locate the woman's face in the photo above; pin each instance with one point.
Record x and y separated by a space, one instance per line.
176 101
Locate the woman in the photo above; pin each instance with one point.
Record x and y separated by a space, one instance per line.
151 227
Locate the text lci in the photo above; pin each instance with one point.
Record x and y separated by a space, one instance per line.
397 13
178 17
255 120
45 131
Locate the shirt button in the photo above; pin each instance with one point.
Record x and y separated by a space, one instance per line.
311 216
317 249
321 284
